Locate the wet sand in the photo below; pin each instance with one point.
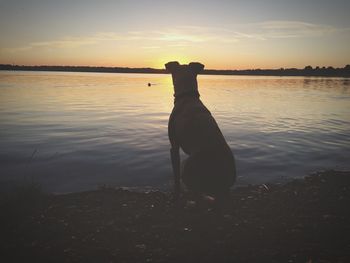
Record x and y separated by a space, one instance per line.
302 221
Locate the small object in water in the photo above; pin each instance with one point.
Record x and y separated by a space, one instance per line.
149 84
264 185
208 198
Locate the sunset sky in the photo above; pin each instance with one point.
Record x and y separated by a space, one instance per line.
221 34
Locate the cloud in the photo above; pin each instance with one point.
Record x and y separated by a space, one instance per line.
151 47
292 29
62 43
68 42
176 37
186 36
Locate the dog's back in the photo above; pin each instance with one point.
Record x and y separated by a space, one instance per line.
210 167
195 128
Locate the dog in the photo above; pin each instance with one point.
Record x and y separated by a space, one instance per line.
210 168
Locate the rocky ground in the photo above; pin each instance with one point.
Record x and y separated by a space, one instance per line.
302 221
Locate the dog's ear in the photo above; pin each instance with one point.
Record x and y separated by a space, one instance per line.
171 66
196 67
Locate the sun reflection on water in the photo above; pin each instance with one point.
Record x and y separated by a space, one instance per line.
90 128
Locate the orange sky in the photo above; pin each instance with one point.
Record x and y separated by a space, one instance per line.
220 34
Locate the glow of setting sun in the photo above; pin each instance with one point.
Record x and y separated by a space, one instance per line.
161 61
139 34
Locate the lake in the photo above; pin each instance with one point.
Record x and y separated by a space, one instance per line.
79 131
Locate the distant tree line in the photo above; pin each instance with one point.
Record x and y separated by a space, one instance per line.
81 69
307 71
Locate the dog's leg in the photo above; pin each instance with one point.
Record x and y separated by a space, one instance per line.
175 161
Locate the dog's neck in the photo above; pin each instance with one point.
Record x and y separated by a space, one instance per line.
188 94
185 84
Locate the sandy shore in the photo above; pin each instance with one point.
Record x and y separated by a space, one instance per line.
302 221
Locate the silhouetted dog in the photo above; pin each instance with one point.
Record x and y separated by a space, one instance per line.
210 167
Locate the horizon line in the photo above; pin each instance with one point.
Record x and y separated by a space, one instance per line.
152 68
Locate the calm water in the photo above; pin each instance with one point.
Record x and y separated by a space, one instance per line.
78 131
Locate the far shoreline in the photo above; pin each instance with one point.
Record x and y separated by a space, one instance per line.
308 71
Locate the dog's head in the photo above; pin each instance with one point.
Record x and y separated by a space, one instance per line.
184 76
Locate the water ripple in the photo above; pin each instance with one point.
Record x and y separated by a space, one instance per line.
90 129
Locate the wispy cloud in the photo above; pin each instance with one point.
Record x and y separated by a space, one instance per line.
74 42
184 36
292 29
151 47
66 42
